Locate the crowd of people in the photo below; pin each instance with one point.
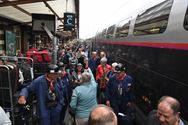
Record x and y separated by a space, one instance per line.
79 82
94 90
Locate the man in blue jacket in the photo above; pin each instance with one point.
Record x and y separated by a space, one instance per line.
66 90
119 94
48 94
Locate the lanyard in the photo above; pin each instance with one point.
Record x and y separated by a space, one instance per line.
120 88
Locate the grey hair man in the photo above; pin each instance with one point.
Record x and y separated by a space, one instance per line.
167 113
102 115
86 77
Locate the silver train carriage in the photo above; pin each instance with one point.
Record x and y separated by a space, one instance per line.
154 46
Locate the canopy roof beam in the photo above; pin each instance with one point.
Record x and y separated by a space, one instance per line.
12 3
24 11
51 9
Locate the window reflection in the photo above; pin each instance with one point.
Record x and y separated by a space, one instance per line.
153 20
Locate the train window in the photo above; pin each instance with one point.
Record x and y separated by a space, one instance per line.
153 20
103 34
110 31
97 36
186 20
122 28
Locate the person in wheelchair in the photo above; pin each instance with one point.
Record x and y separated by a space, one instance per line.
48 94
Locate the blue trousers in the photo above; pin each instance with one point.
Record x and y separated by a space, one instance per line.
52 116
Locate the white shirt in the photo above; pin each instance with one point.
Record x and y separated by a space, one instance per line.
181 122
4 120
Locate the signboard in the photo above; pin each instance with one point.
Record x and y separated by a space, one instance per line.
10 40
43 19
69 21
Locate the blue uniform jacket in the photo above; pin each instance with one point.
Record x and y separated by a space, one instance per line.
66 88
119 92
40 87
92 64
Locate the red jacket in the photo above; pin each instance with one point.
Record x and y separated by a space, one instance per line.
101 74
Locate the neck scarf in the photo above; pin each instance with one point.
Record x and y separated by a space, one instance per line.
121 77
50 83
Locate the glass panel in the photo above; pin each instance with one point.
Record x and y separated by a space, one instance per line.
122 28
104 33
110 31
153 20
186 20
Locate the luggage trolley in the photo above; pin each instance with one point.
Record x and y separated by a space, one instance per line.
9 85
6 88
30 62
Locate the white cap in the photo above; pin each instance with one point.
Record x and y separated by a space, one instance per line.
114 64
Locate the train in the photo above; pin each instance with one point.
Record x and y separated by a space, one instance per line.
153 44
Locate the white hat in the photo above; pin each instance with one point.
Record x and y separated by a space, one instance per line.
114 64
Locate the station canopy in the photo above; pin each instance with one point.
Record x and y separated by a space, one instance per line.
21 10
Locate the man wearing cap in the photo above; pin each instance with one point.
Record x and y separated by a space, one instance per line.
75 75
49 99
66 90
119 94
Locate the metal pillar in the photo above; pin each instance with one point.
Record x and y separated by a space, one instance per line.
55 48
